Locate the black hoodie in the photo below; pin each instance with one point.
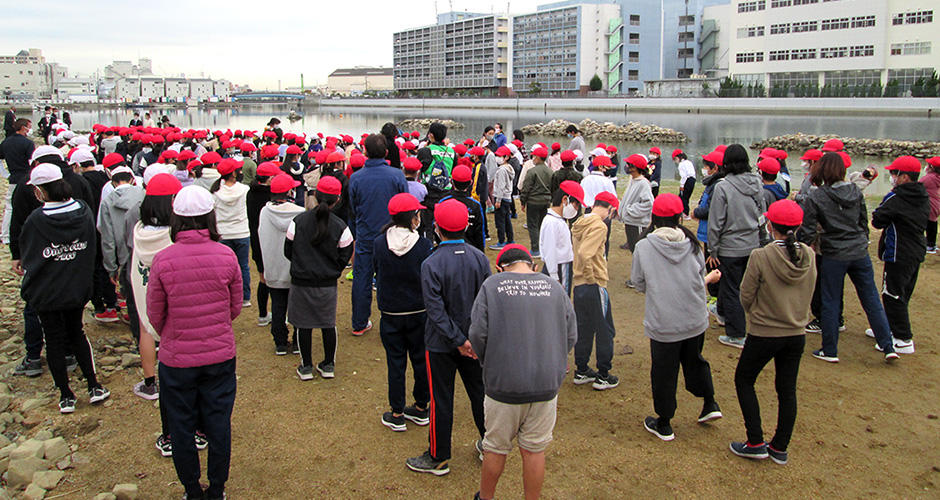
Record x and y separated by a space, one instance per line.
902 216
58 254
841 212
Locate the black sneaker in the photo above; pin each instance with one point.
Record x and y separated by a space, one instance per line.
710 412
604 382
779 457
280 349
813 327
630 284
747 450
479 446
585 377
29 367
164 446
305 372
202 442
427 464
71 363
394 423
420 417
295 346
663 432
98 394
67 405
326 369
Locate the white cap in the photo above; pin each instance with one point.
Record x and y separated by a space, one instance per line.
121 170
152 170
192 201
79 140
81 155
578 154
45 151
599 152
44 173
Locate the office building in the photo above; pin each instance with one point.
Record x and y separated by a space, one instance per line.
77 90
27 75
354 81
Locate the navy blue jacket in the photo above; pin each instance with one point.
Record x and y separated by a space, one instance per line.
450 280
398 279
370 189
476 221
902 217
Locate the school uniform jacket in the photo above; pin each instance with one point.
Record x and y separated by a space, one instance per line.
902 217
450 280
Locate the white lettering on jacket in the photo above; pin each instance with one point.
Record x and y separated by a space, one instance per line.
64 252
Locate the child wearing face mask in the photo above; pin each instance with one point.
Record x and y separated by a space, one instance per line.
655 169
555 236
637 202
398 254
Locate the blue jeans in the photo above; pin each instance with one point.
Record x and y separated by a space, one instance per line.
241 247
363 270
832 282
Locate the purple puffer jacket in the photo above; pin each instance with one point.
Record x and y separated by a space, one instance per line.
194 294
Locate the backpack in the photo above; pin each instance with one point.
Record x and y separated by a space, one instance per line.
437 175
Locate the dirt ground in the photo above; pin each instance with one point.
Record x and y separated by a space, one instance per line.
865 429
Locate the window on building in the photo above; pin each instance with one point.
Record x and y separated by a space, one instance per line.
750 31
802 54
684 73
749 57
835 24
833 52
634 20
686 53
752 6
862 51
897 19
633 74
910 49
793 79
778 29
863 21
920 17
853 78
686 36
634 57
634 38
804 2
778 55
805 26
686 20
774 4
908 76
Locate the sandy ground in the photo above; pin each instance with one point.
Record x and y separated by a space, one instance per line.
865 429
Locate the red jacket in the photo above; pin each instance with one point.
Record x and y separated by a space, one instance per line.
194 294
932 183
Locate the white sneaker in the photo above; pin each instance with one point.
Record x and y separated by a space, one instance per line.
265 320
869 332
900 346
246 303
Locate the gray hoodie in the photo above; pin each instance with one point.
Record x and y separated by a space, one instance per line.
736 216
272 231
636 206
673 278
840 211
111 225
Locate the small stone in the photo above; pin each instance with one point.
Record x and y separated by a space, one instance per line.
6 417
126 491
44 435
108 403
32 421
4 441
56 449
65 463
109 360
87 424
5 400
105 496
20 472
29 448
80 458
6 450
34 492
32 404
49 479
129 360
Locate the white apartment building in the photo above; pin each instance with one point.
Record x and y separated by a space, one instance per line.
28 74
170 89
837 43
77 90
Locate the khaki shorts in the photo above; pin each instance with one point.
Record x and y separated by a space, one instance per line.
531 424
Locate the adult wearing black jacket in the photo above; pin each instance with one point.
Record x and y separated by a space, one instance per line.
8 119
16 150
46 123
390 131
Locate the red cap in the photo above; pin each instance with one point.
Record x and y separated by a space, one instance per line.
408 146
460 149
112 160
610 198
677 152
329 185
464 161
269 133
411 164
513 246
269 151
186 155
469 143
356 161
137 136
785 213
769 166
517 143
320 156
503 151
601 145
602 161
934 161
540 152
556 146
228 166
171 154
721 148
403 202
228 144
157 139
247 147
567 155
782 155
461 173
477 151
415 134
846 160
667 205
656 150
905 164
163 185
282 183
293 150
716 157
637 161
335 157
612 149
833 145
193 164
812 155
768 153
451 215
268 169
574 190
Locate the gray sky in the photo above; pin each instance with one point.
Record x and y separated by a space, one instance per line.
253 42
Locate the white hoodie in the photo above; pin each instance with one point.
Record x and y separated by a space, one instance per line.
401 240
231 211
148 240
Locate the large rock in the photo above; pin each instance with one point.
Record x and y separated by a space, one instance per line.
105 496
29 448
6 450
129 360
49 479
32 404
33 492
56 449
21 471
125 491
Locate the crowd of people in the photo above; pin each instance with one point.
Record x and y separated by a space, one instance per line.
156 227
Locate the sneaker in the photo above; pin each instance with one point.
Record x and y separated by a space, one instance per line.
295 346
265 320
732 341
126 318
813 327
663 432
524 226
900 346
164 446
67 405
497 246
98 394
630 284
842 326
891 357
536 255
326 369
280 350
29 367
932 250
713 310
359 333
420 417
478 444
747 450
148 392
586 377
710 412
122 305
604 382
819 354
246 303
394 423
71 363
305 372
779 457
349 276
107 316
427 464
202 442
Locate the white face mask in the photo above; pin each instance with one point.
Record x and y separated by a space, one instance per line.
653 157
29 131
147 150
704 172
894 180
569 211
500 160
805 165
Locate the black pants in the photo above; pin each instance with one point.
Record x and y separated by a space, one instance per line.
633 235
104 296
188 393
533 218
63 329
931 234
305 339
714 288
32 333
786 353
595 326
664 374
403 339
655 191
816 303
686 194
899 283
279 315
732 272
131 305
442 370
503 222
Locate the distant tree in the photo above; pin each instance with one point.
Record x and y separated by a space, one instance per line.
535 88
596 83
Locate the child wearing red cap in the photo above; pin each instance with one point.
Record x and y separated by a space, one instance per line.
398 254
231 206
668 266
931 181
686 180
902 217
319 246
655 169
536 196
502 196
776 292
476 226
637 202
555 235
566 170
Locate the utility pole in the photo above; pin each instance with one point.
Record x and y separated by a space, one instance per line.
301 83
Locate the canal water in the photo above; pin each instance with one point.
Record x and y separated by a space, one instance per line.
705 131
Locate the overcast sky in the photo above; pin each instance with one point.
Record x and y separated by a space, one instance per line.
253 42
